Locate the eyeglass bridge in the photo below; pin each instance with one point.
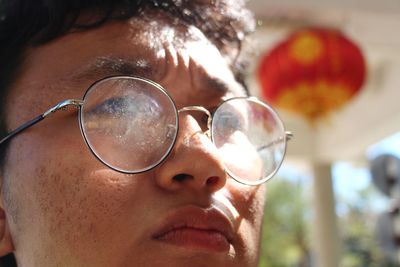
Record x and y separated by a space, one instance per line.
201 109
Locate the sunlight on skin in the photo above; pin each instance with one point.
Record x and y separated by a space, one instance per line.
241 158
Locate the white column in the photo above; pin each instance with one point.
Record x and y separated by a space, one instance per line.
325 232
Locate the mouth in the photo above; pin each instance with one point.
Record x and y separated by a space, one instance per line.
196 229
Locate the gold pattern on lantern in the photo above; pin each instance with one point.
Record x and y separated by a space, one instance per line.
306 48
314 100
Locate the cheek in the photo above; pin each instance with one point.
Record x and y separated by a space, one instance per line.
249 200
54 197
73 209
78 209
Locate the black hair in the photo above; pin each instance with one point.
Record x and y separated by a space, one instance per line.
27 23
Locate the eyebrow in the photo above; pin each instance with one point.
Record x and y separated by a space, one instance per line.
221 88
108 66
216 84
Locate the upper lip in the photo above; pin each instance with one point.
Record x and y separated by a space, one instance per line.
210 219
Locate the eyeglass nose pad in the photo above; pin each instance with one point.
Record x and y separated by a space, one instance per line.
187 138
171 132
208 133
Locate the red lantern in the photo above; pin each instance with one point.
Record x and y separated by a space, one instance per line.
313 72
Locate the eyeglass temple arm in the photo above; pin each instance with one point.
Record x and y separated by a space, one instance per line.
63 104
288 137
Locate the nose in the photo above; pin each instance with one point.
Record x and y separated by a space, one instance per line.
194 162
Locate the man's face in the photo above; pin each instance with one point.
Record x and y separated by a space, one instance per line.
65 208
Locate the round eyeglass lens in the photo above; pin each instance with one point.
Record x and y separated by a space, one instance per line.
250 138
129 123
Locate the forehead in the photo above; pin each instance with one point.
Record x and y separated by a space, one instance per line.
152 45
140 41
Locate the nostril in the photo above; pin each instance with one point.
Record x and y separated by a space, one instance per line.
212 181
182 176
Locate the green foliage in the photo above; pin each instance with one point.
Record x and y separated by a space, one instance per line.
359 243
286 233
285 239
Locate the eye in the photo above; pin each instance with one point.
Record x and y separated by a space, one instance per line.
109 116
229 122
137 106
114 106
230 118
234 121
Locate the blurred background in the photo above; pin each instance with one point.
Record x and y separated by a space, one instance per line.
332 70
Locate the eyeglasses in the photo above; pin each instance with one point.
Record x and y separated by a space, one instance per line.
131 125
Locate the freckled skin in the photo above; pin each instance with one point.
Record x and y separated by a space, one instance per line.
65 208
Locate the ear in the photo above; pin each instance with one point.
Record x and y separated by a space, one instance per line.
6 244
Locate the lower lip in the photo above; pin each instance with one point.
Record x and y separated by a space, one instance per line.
197 239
